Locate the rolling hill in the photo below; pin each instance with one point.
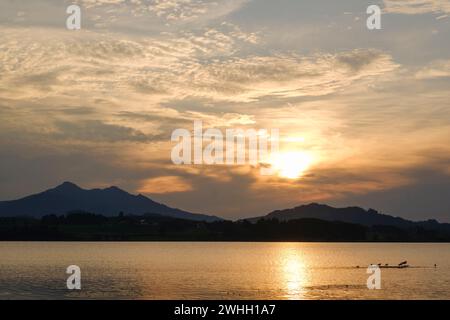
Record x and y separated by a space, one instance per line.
354 215
108 202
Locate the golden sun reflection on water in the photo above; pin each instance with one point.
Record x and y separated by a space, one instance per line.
293 273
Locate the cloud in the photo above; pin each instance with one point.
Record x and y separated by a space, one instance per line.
174 68
436 69
76 110
97 3
186 10
101 63
169 118
417 6
170 10
147 18
246 79
98 131
165 184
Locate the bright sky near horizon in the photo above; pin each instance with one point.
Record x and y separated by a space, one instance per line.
364 115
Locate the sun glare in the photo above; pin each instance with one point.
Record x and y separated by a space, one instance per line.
291 165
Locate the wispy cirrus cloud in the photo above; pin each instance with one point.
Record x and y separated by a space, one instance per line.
176 68
98 131
186 10
171 10
417 6
434 70
246 79
142 17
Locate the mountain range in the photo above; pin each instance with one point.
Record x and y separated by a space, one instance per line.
355 215
111 201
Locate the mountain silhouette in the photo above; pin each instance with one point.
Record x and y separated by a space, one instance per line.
111 201
354 215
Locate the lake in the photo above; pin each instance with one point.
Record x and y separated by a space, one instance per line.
208 270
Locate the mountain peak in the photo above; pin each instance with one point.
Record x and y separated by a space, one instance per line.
315 205
67 185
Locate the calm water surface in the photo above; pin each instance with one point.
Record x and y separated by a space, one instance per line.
187 270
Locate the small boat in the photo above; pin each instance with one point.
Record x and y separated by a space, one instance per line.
395 267
401 265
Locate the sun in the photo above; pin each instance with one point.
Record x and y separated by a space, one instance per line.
291 165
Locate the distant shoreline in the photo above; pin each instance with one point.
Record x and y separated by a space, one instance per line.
82 226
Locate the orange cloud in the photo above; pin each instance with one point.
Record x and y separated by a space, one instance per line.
166 184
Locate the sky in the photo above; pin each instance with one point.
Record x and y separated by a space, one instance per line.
363 115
